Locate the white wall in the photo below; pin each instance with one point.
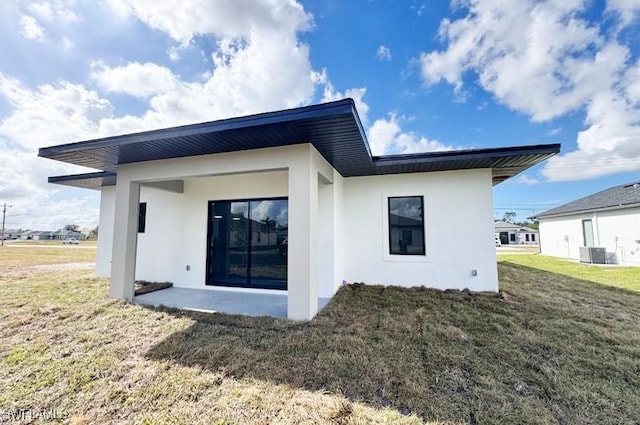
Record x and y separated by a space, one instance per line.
176 228
352 227
330 238
105 231
562 236
458 207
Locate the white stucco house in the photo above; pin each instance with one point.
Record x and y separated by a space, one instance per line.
290 202
512 234
609 220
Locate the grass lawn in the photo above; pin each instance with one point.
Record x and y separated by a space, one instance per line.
48 243
18 259
551 349
622 277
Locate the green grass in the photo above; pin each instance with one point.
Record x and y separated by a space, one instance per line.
18 260
621 277
549 350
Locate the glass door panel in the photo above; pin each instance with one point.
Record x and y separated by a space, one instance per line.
269 231
247 243
228 243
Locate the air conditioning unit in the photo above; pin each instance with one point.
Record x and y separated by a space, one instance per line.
593 255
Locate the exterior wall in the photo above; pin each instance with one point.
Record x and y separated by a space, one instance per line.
176 228
338 228
448 263
105 231
517 237
330 239
180 219
562 236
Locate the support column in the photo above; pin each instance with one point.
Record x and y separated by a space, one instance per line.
303 240
125 237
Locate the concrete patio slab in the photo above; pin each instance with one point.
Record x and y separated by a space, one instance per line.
213 301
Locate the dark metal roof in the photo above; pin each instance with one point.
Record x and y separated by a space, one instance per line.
617 197
334 129
87 181
504 162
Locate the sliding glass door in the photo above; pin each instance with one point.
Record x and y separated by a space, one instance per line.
247 243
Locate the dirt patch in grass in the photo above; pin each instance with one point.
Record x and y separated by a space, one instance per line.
550 350
144 287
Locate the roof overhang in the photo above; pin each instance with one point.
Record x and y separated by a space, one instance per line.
87 180
504 162
334 129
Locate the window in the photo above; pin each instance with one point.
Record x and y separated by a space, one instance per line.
406 225
587 233
512 237
533 237
526 237
142 217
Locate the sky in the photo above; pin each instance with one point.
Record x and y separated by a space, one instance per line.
426 75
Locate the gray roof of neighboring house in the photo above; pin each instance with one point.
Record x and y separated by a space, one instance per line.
333 128
614 198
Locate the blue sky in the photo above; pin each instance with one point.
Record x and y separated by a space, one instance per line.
426 75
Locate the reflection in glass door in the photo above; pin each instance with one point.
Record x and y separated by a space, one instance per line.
247 243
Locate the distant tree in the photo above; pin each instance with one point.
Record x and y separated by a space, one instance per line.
509 217
93 235
71 228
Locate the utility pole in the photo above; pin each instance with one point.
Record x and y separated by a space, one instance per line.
4 215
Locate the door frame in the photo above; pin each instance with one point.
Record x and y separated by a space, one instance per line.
208 280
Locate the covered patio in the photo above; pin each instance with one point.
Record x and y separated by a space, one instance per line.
219 301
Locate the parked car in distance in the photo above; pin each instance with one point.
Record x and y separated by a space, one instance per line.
70 241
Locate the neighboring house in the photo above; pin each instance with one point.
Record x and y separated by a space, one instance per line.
512 234
175 204
36 235
42 236
609 219
62 234
10 234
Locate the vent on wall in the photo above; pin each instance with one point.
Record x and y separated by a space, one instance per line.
593 255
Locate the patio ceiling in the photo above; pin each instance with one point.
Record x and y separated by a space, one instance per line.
334 129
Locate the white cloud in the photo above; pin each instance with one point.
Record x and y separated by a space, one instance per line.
627 9
183 20
544 59
525 179
67 44
386 137
384 53
357 94
47 115
51 114
554 131
258 63
135 79
54 11
31 29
